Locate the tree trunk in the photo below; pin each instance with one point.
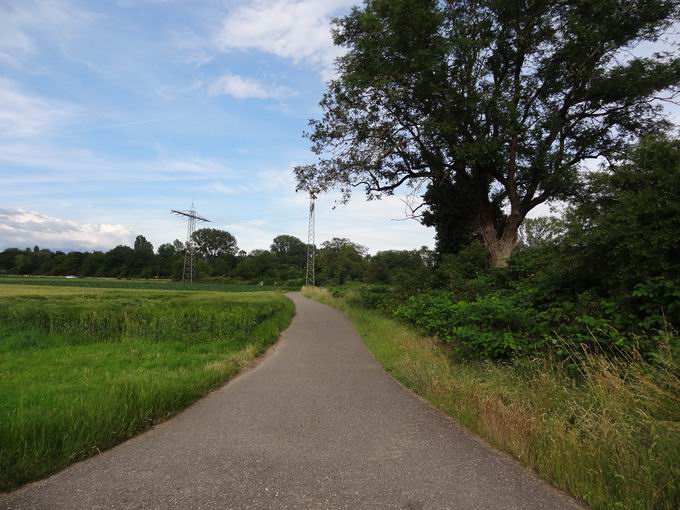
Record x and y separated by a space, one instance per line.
498 249
499 252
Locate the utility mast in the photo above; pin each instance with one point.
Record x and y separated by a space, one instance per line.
311 247
192 218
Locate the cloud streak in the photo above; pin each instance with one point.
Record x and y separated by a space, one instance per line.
25 115
28 24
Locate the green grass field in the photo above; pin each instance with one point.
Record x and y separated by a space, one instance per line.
116 283
610 437
82 369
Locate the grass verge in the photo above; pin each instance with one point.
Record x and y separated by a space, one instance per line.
610 437
83 369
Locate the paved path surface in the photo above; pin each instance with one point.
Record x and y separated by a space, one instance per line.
317 425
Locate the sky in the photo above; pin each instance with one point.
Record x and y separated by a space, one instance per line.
114 112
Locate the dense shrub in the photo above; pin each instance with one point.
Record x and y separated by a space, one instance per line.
492 326
624 229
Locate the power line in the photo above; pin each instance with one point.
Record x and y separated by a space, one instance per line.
192 218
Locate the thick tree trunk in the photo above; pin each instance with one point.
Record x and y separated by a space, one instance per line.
498 248
499 252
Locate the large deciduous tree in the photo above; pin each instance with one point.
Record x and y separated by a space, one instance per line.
487 103
340 260
212 243
289 250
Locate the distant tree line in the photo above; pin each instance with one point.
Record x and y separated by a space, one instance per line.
338 261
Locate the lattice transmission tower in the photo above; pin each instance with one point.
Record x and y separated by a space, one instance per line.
311 246
189 250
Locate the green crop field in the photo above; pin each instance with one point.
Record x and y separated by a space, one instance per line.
82 369
116 283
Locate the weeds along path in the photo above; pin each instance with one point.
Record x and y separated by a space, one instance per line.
317 424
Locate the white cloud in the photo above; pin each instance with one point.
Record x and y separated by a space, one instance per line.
294 29
245 88
23 24
20 228
23 114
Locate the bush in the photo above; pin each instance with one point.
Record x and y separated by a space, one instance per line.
493 326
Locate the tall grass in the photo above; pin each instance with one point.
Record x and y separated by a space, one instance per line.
81 370
155 284
609 434
152 316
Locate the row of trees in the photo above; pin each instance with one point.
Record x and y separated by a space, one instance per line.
337 261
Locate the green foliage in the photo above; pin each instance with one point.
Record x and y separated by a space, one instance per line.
339 261
656 302
541 231
407 269
481 101
217 257
625 229
289 250
385 298
492 326
212 243
456 272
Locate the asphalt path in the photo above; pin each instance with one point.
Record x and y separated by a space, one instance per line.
317 424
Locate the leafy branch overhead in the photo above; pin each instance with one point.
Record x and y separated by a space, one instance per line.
502 100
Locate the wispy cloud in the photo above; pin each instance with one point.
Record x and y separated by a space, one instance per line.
22 228
245 88
25 25
119 124
23 114
294 29
49 163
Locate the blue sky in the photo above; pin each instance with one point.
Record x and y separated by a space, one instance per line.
114 112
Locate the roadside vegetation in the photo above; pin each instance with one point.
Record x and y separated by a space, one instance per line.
84 369
605 429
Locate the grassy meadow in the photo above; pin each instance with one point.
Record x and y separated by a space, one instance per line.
136 283
82 369
609 435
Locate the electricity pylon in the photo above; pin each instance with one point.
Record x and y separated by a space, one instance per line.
192 218
311 247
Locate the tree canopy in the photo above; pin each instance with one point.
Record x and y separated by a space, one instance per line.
496 103
289 249
212 243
